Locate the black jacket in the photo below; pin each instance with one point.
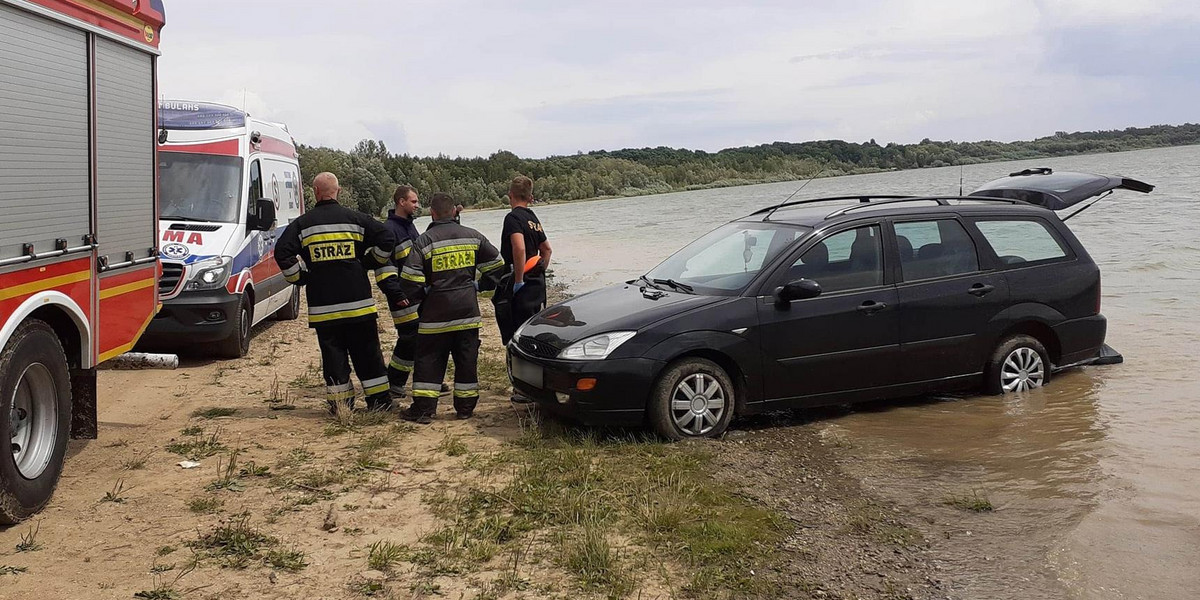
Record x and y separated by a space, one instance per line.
329 250
406 233
440 272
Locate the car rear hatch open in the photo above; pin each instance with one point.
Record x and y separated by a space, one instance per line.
1057 191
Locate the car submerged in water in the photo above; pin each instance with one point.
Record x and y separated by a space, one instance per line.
832 301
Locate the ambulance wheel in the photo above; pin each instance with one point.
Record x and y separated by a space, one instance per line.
238 342
35 418
291 310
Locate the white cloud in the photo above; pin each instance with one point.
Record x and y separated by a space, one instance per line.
541 77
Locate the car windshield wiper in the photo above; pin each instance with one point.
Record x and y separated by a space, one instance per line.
181 218
675 285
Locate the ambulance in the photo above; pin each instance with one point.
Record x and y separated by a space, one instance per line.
78 239
228 186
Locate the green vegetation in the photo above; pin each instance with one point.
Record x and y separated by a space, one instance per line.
196 445
603 509
973 503
370 172
29 541
205 505
214 412
236 544
383 555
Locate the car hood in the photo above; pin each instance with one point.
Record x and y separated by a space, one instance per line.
623 307
1057 191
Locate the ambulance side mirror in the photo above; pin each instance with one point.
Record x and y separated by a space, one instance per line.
263 218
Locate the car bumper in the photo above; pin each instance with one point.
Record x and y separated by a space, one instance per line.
622 387
194 317
1082 340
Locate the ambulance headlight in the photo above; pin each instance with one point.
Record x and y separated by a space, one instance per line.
210 274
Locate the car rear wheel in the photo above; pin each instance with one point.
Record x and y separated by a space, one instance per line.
694 398
1019 364
238 342
35 417
291 310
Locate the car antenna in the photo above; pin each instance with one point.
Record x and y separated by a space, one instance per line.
785 200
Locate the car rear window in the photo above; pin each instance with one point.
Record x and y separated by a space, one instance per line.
1021 241
937 248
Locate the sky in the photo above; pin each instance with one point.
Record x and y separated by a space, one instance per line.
548 77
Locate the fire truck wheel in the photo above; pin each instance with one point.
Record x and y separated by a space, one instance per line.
238 342
35 419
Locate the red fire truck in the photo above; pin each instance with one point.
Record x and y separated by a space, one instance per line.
78 221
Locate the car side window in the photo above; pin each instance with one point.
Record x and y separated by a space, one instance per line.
1021 241
846 260
936 248
256 183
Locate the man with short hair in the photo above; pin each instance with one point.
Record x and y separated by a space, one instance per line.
440 273
522 292
404 312
329 250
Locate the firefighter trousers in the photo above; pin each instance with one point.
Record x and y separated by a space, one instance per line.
402 365
434 350
342 343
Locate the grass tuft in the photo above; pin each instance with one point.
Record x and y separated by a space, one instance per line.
214 412
137 463
384 555
196 445
597 565
116 494
205 506
29 541
452 445
973 503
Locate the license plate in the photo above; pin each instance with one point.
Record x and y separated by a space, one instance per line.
527 372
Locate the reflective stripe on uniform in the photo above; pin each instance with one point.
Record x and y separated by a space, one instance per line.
334 228
383 273
345 310
448 326
411 274
374 386
334 393
292 270
491 265
380 254
426 390
339 236
425 393
453 245
403 249
465 393
400 364
406 315
466 386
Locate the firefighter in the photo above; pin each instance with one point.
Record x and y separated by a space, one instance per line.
440 273
404 315
329 250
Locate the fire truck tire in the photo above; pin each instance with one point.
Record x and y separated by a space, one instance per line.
238 342
35 419
291 310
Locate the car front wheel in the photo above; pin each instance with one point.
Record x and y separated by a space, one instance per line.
694 398
1019 364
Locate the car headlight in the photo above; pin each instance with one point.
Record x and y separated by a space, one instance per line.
210 274
597 347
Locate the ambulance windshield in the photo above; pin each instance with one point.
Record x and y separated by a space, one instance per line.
199 187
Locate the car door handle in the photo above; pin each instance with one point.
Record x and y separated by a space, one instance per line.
871 307
981 289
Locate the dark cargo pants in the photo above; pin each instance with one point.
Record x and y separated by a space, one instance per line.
401 365
434 349
342 343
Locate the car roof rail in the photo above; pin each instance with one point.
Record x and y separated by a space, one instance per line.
941 200
862 198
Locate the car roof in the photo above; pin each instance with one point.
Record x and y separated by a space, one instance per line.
821 212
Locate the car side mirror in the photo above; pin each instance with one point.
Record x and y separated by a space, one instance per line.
800 289
263 218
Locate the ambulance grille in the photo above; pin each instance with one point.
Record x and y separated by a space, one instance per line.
171 274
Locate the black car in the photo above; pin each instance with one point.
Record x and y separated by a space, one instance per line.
829 301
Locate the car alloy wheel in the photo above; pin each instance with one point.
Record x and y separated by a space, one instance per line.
698 403
1022 370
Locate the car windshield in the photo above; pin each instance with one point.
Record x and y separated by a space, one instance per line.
199 187
725 260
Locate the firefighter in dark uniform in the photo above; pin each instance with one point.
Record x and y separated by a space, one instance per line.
329 249
522 293
404 315
440 273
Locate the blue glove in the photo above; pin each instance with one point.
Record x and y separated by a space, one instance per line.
517 287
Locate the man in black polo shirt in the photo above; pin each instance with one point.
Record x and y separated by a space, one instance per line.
523 292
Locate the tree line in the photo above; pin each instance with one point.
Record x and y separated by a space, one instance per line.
369 173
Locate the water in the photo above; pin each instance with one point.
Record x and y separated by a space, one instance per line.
1096 478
